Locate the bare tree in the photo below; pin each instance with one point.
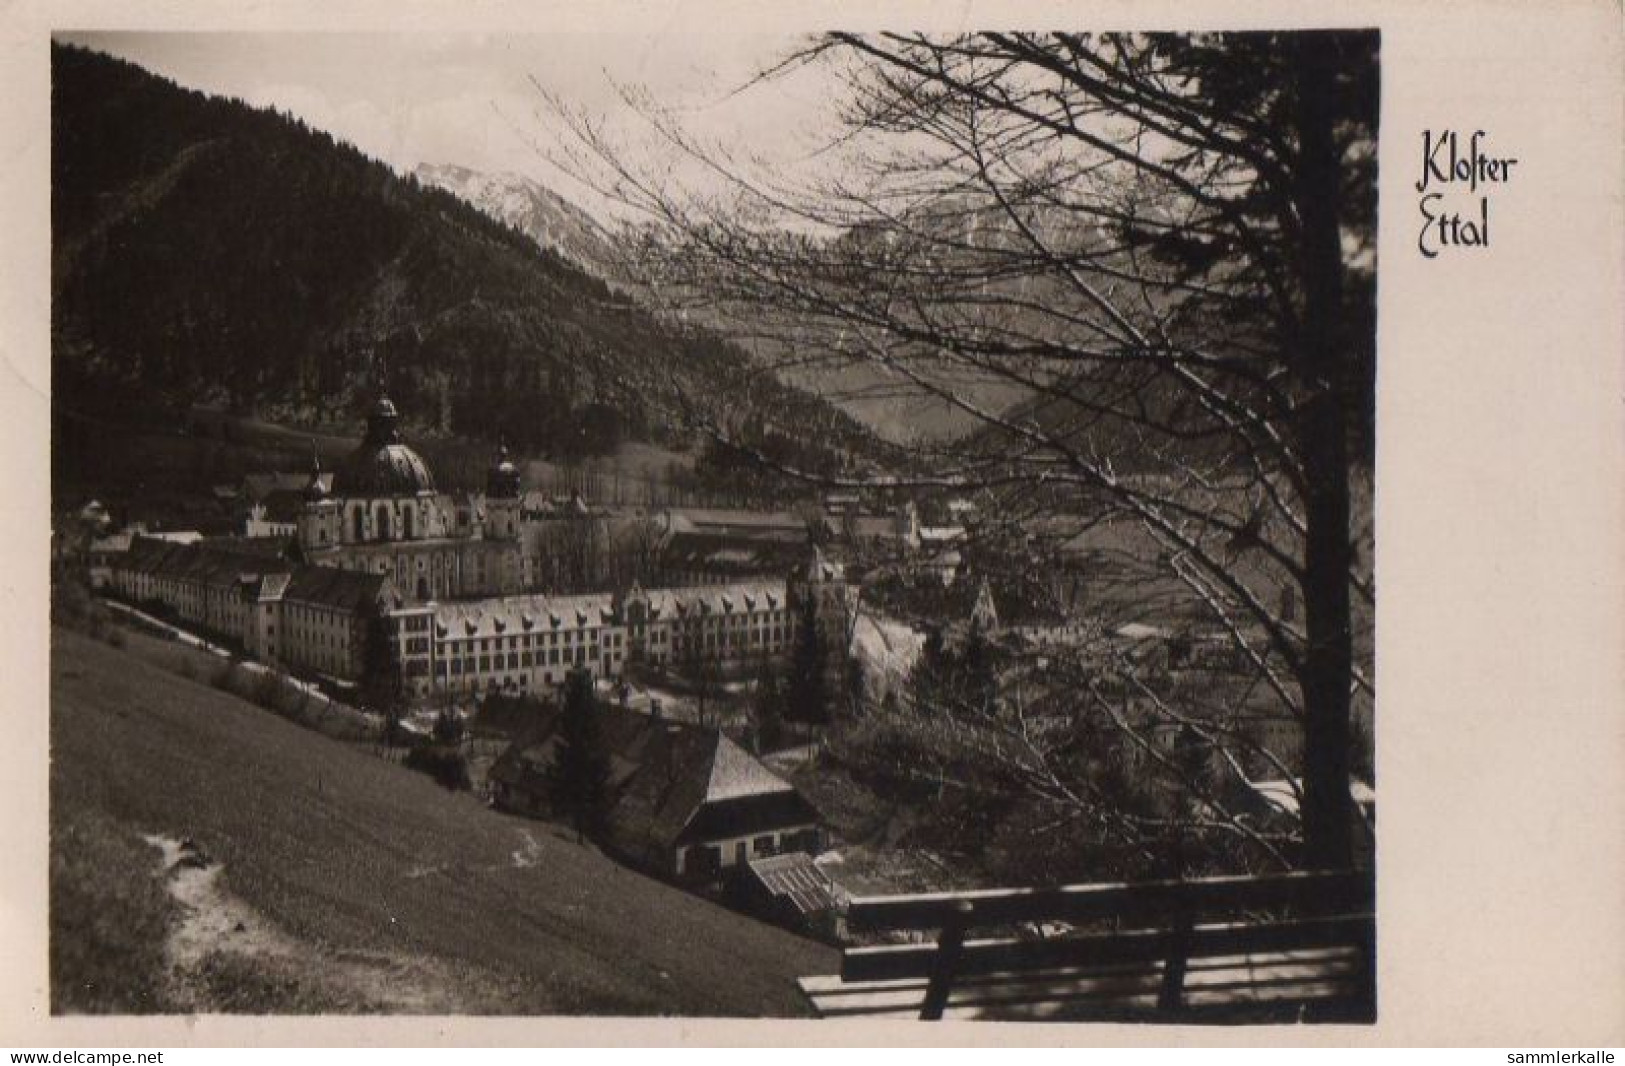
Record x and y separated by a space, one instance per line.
1165 244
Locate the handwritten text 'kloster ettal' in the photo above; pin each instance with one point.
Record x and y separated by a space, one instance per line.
1444 223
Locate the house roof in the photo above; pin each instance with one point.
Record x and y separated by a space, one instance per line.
1282 793
796 878
210 564
327 586
112 544
736 773
147 554
258 547
786 525
740 596
272 586
258 486
522 614
676 783
177 536
748 816
729 553
283 505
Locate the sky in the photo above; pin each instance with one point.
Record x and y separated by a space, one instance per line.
473 100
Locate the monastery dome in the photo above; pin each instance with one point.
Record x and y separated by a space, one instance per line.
383 465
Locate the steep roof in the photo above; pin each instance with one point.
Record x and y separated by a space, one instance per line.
147 554
736 773
729 553
522 614
327 586
740 596
206 563
272 586
676 782
748 816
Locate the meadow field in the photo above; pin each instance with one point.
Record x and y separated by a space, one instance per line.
332 881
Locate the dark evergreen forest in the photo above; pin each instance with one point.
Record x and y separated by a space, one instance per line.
210 253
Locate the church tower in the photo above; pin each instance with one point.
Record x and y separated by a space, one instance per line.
835 601
319 525
502 497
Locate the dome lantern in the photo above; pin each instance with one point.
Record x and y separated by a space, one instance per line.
502 480
383 465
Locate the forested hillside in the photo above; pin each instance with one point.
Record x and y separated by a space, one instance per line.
206 252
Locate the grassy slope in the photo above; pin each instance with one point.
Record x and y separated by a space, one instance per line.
350 854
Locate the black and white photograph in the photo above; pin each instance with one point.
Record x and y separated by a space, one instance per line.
827 525
693 518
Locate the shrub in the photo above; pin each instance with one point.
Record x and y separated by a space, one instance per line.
444 763
267 689
448 727
225 676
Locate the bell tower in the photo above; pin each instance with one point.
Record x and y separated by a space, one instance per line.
318 526
502 496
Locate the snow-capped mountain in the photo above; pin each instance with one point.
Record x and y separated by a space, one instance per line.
533 209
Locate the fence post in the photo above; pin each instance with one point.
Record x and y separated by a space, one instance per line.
1368 970
950 943
1172 996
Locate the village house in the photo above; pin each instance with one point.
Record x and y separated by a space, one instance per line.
102 554
687 802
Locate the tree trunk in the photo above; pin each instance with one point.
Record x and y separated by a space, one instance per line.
1323 433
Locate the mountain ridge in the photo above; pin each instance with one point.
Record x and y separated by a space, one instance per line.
208 252
525 204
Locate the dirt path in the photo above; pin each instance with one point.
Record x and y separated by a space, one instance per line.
219 937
